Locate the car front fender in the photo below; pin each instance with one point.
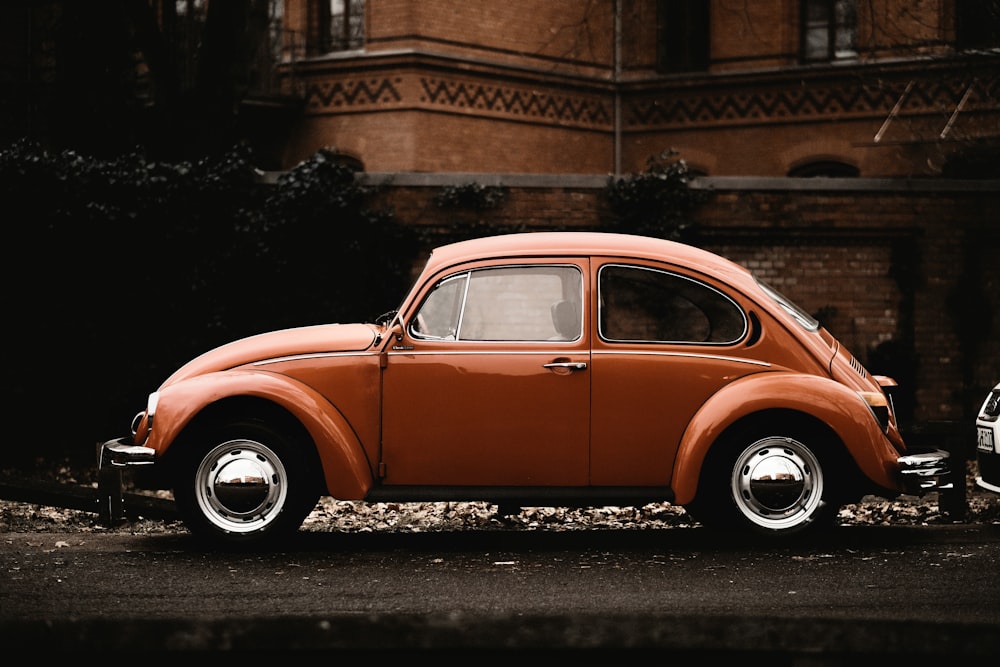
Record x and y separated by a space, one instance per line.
828 401
346 470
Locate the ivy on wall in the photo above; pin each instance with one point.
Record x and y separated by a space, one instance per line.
656 202
472 196
468 215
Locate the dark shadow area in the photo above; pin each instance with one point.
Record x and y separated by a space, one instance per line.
676 540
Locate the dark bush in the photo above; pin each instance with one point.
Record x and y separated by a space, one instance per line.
657 202
118 271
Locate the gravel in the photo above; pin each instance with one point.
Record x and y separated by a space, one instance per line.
356 517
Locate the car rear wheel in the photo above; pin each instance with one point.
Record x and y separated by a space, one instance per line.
775 485
246 484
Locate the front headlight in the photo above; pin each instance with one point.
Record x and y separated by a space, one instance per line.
143 421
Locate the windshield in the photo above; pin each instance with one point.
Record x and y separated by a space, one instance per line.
807 321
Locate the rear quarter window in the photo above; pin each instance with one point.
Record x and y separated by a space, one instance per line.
641 304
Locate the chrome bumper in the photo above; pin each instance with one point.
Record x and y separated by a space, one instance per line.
926 471
113 457
122 453
983 484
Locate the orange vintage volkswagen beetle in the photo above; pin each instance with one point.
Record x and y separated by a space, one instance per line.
538 369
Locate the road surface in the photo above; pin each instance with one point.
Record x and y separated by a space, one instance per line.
863 592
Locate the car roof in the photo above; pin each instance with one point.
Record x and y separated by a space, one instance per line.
584 244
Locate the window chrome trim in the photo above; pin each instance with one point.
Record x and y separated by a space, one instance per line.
804 319
673 274
467 275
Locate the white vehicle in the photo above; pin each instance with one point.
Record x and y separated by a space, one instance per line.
988 442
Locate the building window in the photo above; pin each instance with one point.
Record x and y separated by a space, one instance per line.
828 168
347 26
682 35
340 25
829 30
977 24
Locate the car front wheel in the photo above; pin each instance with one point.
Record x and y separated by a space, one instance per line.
244 485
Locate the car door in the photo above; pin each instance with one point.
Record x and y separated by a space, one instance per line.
666 342
488 383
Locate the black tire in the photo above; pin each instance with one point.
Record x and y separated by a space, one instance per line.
243 485
774 482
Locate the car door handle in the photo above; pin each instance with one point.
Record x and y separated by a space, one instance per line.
571 365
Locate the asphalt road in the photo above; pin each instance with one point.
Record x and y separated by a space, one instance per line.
866 592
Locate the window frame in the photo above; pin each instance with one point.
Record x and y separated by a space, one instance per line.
683 36
977 25
332 31
352 25
673 275
467 276
831 26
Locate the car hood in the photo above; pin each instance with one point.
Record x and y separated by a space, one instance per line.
324 338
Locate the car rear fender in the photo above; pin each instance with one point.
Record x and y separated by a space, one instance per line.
346 470
837 406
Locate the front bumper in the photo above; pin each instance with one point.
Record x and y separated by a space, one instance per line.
988 478
120 452
986 486
924 471
113 457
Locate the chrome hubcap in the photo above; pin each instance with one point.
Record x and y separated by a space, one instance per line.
777 483
241 486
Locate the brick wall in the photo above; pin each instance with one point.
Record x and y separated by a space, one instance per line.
888 266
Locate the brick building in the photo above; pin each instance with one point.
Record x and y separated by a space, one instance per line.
777 88
773 88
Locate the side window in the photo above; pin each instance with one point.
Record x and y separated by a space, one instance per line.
440 314
645 305
511 303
